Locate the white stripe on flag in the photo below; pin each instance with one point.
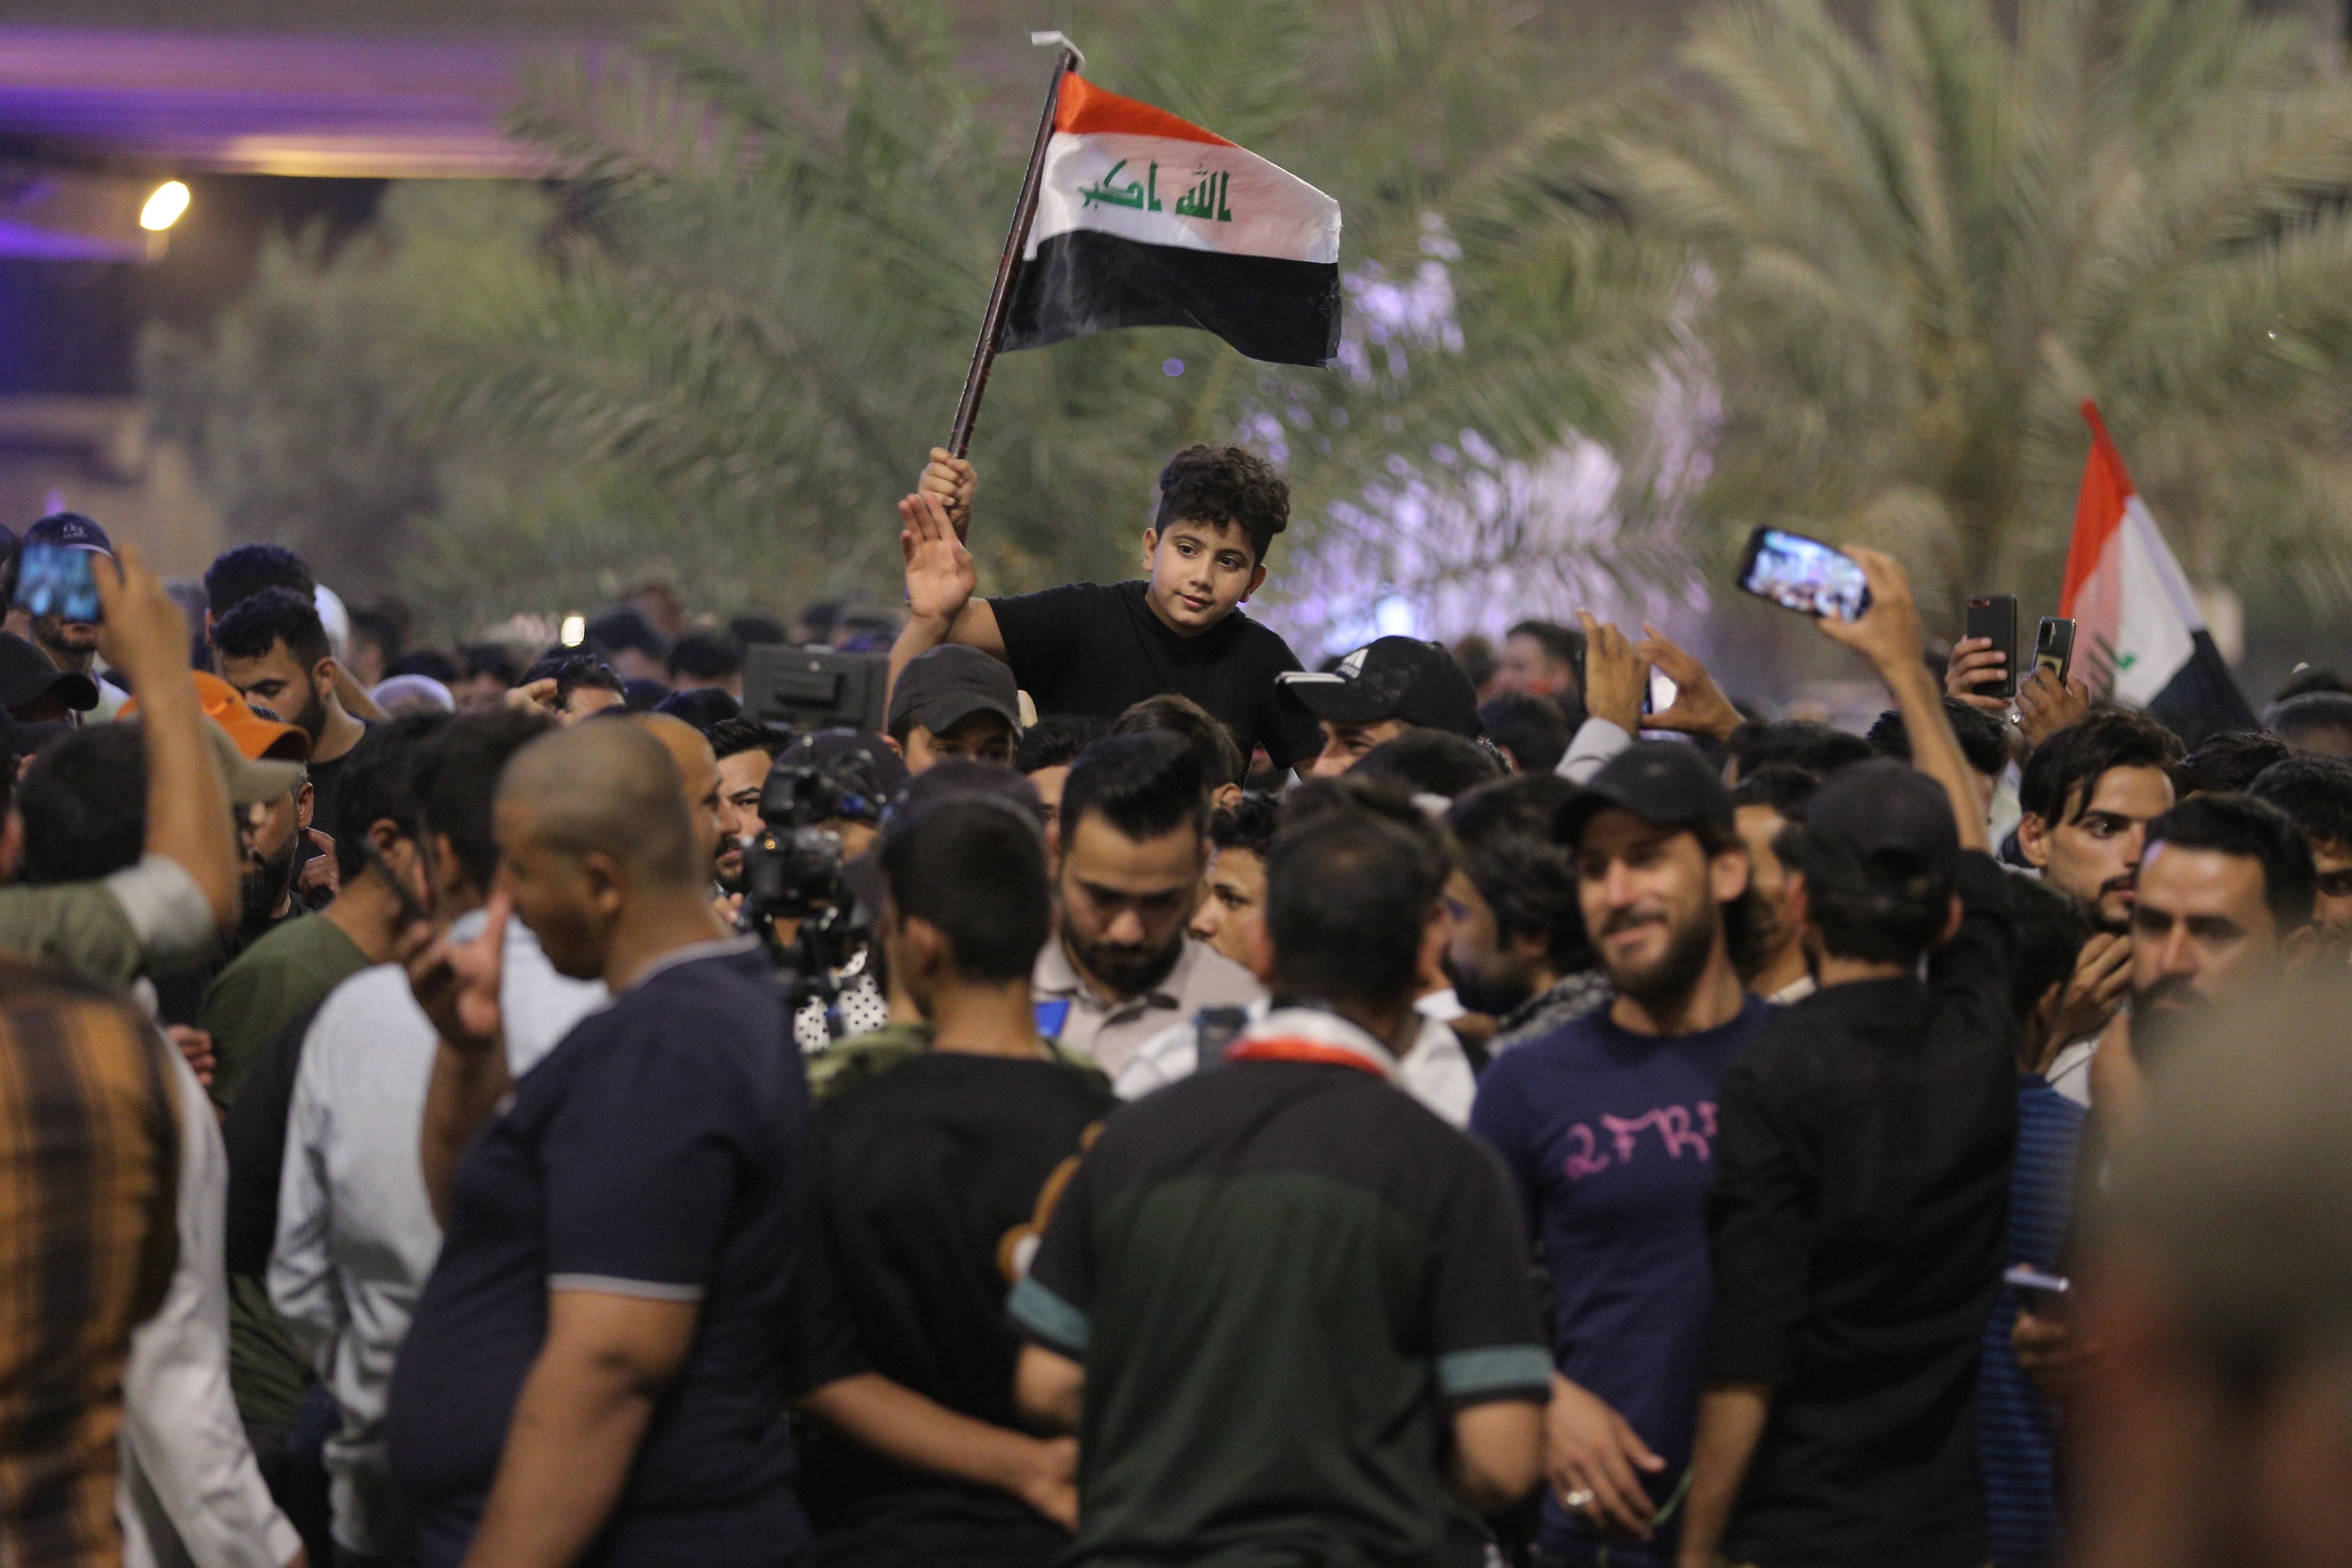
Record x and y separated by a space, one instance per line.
1230 200
2154 613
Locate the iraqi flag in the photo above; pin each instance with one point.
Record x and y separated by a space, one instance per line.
1146 220
2137 623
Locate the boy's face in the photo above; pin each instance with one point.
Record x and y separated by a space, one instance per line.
1199 571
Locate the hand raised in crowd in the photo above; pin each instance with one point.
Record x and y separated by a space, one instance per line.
953 482
540 694
2101 979
319 873
144 634
2045 706
1052 1489
940 576
1975 662
1615 675
1887 632
1700 708
195 1049
1595 1463
457 984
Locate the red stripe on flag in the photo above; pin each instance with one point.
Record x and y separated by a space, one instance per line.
1084 108
2098 507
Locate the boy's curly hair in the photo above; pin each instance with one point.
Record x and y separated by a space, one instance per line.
1225 486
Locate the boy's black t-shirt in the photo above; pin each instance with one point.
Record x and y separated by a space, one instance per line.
927 1190
1089 649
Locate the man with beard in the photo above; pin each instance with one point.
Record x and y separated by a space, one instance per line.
2224 909
2088 794
1134 839
2317 792
746 751
273 648
1607 1125
1518 952
1766 801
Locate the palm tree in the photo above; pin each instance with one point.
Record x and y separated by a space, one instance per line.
778 239
1919 250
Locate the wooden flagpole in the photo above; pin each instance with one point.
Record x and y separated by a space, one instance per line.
1008 265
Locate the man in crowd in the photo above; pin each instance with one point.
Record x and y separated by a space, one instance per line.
1542 659
2228 764
702 660
1435 1067
1047 748
353 1237
1518 952
1277 1293
1134 841
1607 1124
1855 1220
954 701
1221 762
596 1357
745 751
2020 1424
273 648
1231 915
2317 792
73 645
162 913
1765 803
1984 743
36 692
1532 731
2088 793
964 1143
1382 690
1083 648
2215 1283
624 638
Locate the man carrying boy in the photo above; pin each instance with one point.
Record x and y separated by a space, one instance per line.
1088 649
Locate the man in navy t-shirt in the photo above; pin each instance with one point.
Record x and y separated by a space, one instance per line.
593 1375
1607 1124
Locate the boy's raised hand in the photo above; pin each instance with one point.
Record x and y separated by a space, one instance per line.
954 481
940 576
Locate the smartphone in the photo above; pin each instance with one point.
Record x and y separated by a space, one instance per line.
2053 647
1662 692
1994 615
2045 1295
1804 574
56 579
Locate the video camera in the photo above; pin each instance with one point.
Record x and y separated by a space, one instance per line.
791 871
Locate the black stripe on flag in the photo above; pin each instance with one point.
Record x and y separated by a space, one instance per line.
2203 699
1286 312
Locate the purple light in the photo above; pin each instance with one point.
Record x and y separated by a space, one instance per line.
1172 367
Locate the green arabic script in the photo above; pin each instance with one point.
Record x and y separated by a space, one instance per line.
1205 200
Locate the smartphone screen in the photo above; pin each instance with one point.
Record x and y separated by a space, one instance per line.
55 580
1804 576
1662 693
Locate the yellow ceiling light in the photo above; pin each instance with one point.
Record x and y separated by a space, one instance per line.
165 207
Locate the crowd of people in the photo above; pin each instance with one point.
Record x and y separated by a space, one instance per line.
1150 1101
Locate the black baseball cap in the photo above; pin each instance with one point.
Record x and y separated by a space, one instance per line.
72 530
1882 827
27 675
1394 678
1663 782
942 686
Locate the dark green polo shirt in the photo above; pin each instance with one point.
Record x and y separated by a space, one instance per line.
1283 1278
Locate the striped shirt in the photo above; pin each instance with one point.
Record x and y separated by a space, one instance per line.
89 1153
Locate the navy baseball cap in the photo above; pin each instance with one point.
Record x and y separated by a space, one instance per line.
942 687
1393 678
1663 782
72 530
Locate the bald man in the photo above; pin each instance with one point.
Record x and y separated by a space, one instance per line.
596 1357
698 767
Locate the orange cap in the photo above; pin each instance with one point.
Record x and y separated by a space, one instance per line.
255 736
